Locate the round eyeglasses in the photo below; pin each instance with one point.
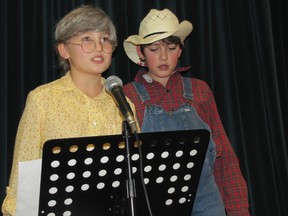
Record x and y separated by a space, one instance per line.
88 46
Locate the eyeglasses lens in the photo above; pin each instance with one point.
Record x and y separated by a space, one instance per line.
90 46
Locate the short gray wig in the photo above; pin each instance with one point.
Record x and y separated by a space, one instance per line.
80 20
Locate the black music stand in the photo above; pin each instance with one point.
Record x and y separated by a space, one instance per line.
86 176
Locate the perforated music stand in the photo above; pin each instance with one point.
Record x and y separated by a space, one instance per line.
86 176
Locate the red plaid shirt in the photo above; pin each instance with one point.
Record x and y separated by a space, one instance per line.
227 172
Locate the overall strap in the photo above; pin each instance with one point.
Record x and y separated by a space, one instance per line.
141 91
187 88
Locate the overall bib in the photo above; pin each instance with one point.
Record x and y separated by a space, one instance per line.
208 201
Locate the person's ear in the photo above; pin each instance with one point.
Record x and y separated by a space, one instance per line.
62 50
139 53
180 52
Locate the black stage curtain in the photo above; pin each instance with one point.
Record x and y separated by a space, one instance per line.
238 47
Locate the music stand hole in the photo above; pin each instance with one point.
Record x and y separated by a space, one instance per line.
54 177
90 147
86 174
179 153
193 152
73 148
56 150
135 157
121 145
70 175
102 173
68 201
196 139
168 142
162 167
137 144
117 171
55 164
106 146
165 154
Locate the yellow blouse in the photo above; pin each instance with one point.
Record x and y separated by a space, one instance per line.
59 110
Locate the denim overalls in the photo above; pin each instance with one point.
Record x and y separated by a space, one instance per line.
208 201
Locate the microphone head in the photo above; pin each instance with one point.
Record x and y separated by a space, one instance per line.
112 81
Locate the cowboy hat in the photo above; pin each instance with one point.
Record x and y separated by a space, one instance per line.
157 25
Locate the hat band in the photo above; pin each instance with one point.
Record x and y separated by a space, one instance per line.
153 34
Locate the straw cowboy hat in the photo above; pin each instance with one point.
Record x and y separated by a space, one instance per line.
157 25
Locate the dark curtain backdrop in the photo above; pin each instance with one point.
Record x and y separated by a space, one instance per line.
238 47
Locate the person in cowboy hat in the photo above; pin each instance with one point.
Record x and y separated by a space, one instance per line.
165 101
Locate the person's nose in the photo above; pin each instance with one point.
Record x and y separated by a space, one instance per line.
98 47
163 54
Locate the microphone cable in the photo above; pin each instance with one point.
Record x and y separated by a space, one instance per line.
142 175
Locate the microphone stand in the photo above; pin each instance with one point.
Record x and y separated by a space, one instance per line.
130 182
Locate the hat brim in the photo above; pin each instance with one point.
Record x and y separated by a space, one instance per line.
185 28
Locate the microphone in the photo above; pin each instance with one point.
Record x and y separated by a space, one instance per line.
114 86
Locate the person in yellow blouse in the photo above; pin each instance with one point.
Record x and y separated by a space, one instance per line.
76 104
